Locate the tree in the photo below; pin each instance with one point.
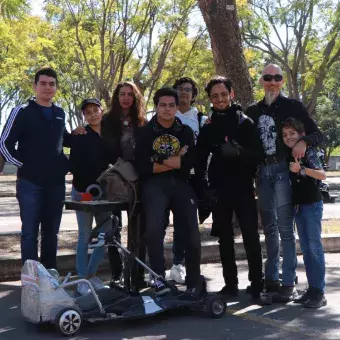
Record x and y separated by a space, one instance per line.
331 135
10 9
328 111
222 23
21 53
191 57
287 32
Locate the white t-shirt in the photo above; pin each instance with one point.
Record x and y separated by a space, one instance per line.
190 118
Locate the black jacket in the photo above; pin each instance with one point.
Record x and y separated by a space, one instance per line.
278 112
34 144
153 139
241 133
90 156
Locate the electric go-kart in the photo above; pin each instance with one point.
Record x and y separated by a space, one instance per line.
47 299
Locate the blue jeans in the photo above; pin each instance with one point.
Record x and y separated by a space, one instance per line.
87 268
308 221
277 220
40 205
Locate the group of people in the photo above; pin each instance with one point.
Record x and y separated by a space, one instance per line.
185 163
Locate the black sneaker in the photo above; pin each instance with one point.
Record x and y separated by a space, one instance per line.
302 298
272 286
286 294
316 299
228 290
262 299
160 288
259 295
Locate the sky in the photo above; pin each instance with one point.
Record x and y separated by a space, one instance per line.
37 6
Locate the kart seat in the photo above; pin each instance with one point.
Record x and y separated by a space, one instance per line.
105 295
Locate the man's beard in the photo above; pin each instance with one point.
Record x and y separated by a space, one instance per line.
270 96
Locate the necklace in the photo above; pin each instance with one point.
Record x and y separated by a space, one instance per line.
126 121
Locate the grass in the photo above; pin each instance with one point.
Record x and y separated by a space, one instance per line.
333 173
331 226
336 151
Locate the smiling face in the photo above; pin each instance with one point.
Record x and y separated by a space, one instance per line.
45 88
220 96
126 97
290 136
93 114
185 93
272 86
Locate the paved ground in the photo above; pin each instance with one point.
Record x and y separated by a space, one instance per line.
10 220
242 322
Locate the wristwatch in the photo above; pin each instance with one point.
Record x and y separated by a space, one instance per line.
158 158
302 171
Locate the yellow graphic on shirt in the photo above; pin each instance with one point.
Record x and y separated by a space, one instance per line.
166 145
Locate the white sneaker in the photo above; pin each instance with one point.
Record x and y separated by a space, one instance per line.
83 288
97 283
178 273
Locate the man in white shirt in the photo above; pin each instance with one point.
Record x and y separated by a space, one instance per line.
187 92
188 114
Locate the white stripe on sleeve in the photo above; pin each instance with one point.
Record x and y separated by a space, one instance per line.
9 158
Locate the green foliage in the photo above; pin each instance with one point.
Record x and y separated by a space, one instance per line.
10 9
94 45
336 151
328 117
303 36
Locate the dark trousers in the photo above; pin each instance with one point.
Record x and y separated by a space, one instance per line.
113 253
160 193
241 200
40 205
177 243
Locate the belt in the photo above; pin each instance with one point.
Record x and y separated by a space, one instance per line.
273 160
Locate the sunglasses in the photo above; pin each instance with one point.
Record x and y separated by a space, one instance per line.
269 77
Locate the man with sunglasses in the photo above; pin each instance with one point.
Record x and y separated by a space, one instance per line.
273 178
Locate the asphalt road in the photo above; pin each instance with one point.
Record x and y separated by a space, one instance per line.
10 220
243 321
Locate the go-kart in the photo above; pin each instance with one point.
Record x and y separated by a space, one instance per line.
47 299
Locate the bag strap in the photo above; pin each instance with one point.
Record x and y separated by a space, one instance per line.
199 119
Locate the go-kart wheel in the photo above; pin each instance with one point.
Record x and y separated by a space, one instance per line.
68 321
216 307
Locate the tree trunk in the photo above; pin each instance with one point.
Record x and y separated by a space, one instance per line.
222 22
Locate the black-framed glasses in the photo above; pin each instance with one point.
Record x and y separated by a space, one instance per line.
270 77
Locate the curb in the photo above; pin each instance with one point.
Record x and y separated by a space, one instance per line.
11 266
10 194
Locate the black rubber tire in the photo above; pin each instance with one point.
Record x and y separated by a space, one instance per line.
68 321
216 307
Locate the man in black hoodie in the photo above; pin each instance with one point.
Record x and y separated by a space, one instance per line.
230 138
163 158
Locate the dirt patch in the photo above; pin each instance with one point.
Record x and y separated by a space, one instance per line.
10 244
333 173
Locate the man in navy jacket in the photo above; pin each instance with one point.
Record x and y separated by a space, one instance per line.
32 139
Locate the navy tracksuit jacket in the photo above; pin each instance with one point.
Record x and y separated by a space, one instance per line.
34 144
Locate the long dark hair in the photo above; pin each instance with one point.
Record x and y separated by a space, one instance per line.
137 110
112 124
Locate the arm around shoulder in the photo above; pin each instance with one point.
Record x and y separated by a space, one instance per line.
313 135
